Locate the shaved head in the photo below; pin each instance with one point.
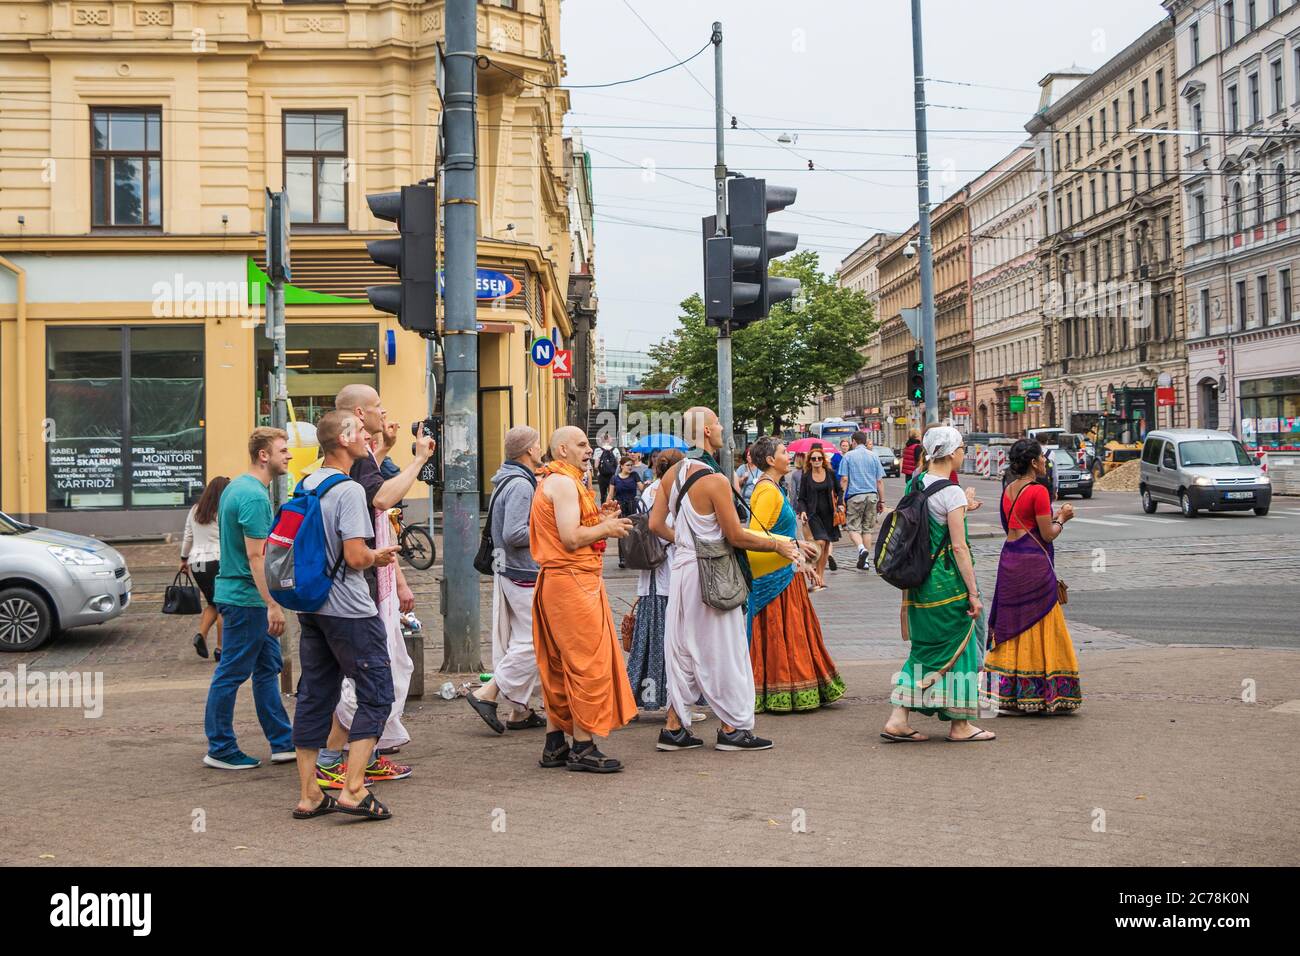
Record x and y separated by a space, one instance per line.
702 428
363 402
569 444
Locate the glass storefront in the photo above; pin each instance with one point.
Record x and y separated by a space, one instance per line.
1270 412
321 359
113 447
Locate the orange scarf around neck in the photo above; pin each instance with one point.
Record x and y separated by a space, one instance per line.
590 511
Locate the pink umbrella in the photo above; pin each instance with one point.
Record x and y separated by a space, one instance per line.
801 446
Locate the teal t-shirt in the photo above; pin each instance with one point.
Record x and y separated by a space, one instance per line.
244 512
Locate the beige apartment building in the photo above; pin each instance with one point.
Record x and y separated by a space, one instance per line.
138 141
1006 313
1238 81
1113 327
862 396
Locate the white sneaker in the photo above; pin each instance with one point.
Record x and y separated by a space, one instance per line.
286 756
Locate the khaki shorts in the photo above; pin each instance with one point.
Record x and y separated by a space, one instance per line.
862 513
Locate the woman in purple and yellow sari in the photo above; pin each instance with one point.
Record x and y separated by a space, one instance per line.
793 672
1031 665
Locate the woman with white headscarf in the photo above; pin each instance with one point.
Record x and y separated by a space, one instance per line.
941 618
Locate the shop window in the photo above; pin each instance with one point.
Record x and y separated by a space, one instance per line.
1270 412
113 447
315 157
126 167
321 359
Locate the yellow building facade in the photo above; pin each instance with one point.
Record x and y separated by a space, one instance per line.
139 141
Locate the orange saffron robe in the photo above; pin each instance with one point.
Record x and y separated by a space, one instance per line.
579 658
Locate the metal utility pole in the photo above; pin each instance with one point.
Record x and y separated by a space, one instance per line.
460 347
277 270
923 220
724 330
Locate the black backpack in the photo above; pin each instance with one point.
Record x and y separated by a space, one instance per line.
485 558
608 463
902 556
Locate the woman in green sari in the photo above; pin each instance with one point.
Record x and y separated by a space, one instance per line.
941 618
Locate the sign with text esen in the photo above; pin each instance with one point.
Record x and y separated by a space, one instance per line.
562 367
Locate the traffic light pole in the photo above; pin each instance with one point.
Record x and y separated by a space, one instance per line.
923 219
460 524
725 412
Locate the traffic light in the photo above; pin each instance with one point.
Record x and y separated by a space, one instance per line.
415 210
737 287
916 378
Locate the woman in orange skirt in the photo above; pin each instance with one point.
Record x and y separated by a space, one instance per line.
792 670
1031 667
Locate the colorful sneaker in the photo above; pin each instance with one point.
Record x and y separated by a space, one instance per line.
331 777
384 769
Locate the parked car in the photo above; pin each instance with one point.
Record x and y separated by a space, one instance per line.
51 581
1068 476
888 460
1198 469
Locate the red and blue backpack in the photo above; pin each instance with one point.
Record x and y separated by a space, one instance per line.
298 571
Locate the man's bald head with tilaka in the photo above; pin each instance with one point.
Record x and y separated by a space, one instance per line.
701 428
571 445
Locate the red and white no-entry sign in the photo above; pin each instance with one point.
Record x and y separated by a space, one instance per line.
562 365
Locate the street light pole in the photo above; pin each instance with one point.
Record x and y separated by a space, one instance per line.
923 225
724 330
460 526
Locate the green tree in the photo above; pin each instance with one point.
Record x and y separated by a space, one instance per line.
804 348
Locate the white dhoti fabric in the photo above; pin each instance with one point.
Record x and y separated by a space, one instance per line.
514 661
705 650
395 734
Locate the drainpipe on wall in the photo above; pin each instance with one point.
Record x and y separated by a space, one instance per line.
20 366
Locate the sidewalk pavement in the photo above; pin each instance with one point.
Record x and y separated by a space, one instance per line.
1166 764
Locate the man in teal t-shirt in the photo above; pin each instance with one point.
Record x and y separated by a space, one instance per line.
251 621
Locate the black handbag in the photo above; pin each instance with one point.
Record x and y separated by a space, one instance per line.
182 595
642 549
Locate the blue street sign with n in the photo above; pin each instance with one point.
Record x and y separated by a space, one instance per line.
543 352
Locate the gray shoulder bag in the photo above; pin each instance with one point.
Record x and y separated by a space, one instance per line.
722 585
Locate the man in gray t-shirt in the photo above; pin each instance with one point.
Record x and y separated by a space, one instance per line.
344 515
344 637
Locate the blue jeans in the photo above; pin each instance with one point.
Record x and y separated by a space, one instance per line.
247 650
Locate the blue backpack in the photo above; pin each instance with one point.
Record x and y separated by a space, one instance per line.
298 573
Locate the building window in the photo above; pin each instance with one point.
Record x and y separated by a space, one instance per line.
1102 116
1272 403
1160 89
315 155
129 406
1253 86
1284 294
1261 299
1236 207
1259 199
1241 303
1167 234
1146 161
1198 212
1164 161
1092 194
1198 124
1234 110
1132 107
1280 172
319 358
1114 113
1205 312
126 166
1092 142
1196 43
1146 98
1279 97
1250 16
1230 22
1105 190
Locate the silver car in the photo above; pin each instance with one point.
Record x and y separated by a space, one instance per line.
1200 470
51 581
887 460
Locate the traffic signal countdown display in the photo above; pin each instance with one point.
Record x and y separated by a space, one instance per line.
737 287
916 378
412 254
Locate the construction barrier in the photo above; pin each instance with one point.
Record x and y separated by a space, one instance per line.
982 461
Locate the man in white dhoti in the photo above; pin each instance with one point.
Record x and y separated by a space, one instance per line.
514 661
705 649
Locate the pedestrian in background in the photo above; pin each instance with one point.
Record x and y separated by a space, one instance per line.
1032 667
794 476
514 581
908 465
819 500
792 669
940 618
626 488
862 480
745 477
201 557
645 661
253 621
605 464
837 454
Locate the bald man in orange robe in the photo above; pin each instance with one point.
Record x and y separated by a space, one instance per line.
579 661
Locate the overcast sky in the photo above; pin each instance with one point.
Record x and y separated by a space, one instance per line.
801 68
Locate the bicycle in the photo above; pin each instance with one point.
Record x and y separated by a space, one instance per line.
415 542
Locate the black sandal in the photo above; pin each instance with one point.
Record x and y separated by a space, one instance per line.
593 761
488 711
528 723
554 758
369 808
327 805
